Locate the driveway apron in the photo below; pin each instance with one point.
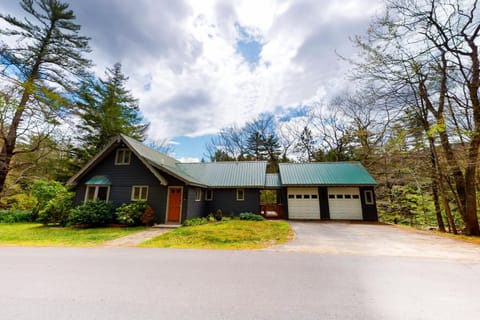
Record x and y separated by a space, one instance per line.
374 240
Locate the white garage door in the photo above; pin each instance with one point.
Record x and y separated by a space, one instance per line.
344 203
303 203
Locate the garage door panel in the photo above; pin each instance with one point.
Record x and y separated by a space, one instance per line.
344 203
303 203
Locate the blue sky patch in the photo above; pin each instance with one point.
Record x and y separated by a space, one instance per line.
187 147
290 113
248 46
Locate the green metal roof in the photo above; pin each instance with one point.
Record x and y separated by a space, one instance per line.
227 174
325 173
98 180
160 160
236 174
272 180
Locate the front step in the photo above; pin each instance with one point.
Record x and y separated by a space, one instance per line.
167 226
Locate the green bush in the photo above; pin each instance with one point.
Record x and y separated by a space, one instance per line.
219 215
54 202
56 210
13 216
195 222
251 216
19 201
92 213
130 213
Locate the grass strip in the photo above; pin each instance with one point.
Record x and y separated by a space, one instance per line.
33 234
233 234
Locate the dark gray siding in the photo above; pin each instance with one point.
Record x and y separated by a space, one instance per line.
195 209
323 198
123 177
284 196
226 200
369 211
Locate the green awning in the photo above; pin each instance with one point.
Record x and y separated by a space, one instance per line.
98 180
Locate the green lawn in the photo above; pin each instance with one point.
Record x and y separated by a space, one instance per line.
33 234
233 234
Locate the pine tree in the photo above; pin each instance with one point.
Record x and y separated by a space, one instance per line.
108 109
43 60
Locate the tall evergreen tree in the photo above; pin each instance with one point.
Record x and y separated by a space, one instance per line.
45 56
108 109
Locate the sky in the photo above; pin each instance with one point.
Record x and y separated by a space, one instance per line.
197 66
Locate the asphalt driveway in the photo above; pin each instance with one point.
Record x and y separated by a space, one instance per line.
374 240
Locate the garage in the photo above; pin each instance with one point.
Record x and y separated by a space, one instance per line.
344 203
303 203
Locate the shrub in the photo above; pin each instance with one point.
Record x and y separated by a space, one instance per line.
148 216
92 213
251 216
219 215
210 217
56 210
130 213
195 222
19 201
12 216
54 202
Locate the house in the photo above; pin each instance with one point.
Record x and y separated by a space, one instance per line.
127 170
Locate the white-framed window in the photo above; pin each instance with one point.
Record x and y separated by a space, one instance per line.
209 195
122 157
198 194
97 192
240 194
368 197
139 193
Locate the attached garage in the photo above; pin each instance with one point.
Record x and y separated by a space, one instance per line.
344 203
303 203
328 190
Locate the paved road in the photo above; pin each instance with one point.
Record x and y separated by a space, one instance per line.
375 240
132 283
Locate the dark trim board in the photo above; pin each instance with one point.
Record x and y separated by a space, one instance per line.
370 212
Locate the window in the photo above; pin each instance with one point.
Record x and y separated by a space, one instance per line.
97 192
368 197
339 196
298 196
291 196
356 196
348 196
306 196
331 196
314 196
198 194
209 195
240 194
139 193
122 157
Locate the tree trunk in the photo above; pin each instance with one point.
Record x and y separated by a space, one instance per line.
470 216
440 179
438 210
8 148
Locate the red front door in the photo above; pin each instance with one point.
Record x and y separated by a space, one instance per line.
174 204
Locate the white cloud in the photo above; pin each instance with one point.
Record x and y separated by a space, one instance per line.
184 67
189 160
